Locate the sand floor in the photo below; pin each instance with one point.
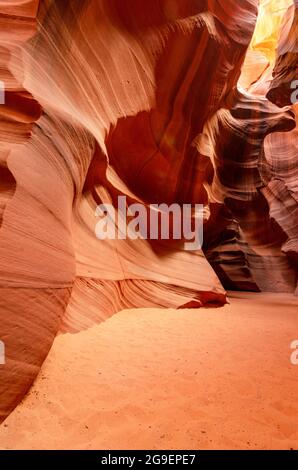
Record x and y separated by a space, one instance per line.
166 379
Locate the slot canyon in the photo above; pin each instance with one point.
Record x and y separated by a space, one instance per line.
128 343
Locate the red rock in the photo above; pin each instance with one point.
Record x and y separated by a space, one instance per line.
150 105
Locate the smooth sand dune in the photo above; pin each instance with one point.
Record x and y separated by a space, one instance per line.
168 379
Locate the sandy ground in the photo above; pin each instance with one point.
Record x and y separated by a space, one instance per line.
165 379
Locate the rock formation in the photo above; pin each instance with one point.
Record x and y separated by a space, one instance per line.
168 101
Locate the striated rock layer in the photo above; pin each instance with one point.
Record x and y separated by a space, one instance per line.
179 102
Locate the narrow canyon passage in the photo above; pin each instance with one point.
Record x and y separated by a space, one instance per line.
180 103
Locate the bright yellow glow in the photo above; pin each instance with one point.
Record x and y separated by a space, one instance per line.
266 35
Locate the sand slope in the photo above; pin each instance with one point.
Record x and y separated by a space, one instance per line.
166 379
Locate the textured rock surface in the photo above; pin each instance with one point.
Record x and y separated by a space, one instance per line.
166 105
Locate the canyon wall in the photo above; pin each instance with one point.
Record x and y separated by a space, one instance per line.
168 101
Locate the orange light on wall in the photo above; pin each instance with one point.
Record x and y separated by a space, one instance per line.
266 35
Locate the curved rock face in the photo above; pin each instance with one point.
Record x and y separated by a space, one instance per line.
165 105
